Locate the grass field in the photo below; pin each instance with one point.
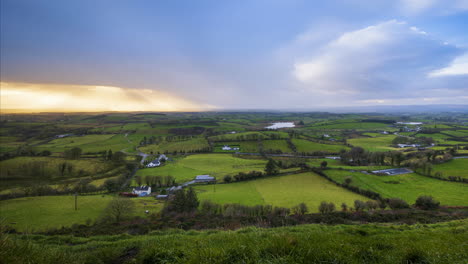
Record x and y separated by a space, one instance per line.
244 146
366 243
88 143
380 143
40 213
303 145
406 186
351 125
22 171
217 165
455 167
193 144
457 133
285 191
274 145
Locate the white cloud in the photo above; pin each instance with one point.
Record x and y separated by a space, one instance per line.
458 67
387 60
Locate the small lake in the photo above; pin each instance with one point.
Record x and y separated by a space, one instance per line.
410 123
280 125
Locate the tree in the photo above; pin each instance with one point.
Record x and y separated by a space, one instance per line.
300 209
359 205
344 207
326 208
323 165
119 158
111 185
73 153
348 180
191 200
270 168
227 178
118 209
109 155
396 203
427 202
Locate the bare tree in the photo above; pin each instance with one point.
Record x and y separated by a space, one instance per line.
119 208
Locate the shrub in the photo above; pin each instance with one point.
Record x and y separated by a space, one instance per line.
300 209
427 202
227 178
396 203
359 205
325 207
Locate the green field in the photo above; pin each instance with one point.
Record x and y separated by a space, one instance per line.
88 143
217 165
352 125
23 171
190 145
285 191
39 213
276 145
307 146
245 146
454 167
406 186
380 143
43 212
457 133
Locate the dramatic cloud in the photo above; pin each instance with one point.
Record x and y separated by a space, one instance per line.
387 60
53 97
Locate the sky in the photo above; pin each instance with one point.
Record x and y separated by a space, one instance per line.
142 55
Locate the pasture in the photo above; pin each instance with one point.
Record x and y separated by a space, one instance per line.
21 171
307 146
217 165
276 146
379 143
191 145
454 167
285 191
244 146
88 143
406 186
43 212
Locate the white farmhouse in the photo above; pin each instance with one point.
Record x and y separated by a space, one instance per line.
142 190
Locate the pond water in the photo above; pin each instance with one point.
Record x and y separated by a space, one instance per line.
409 123
280 125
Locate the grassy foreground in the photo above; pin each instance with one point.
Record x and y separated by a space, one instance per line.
369 243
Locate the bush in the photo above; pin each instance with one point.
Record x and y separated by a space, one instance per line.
396 203
300 209
359 205
227 178
326 208
427 203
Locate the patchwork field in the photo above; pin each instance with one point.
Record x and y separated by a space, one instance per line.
88 143
406 186
307 146
455 167
28 170
244 146
285 191
217 165
352 125
276 145
380 143
194 144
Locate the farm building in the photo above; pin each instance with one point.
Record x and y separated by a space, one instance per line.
397 171
157 162
162 196
204 178
142 190
226 147
154 163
